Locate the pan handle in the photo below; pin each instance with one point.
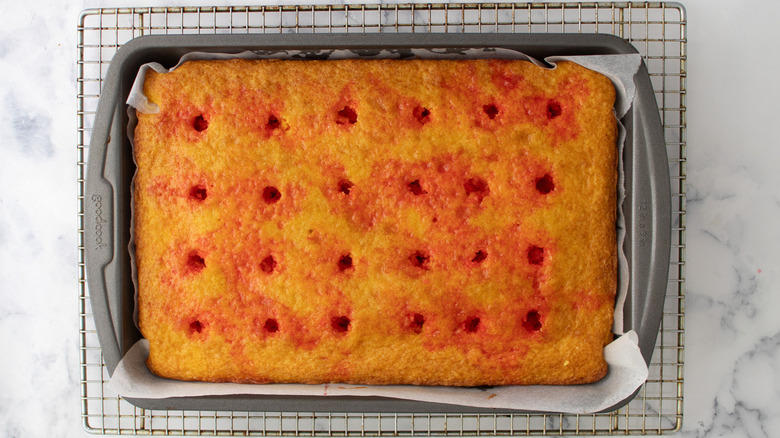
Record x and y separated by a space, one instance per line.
648 215
103 258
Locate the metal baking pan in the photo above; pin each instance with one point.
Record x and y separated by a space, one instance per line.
110 169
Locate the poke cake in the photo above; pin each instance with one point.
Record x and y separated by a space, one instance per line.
421 222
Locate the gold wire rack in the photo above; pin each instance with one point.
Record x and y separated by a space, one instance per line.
657 30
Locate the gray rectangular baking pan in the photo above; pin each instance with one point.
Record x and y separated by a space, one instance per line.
110 168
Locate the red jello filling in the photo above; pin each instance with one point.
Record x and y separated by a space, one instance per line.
200 123
345 186
416 188
545 184
491 110
271 325
417 323
273 122
423 115
553 109
196 326
477 186
532 322
271 195
198 192
345 262
346 115
195 262
535 255
340 324
268 264
471 325
420 260
479 256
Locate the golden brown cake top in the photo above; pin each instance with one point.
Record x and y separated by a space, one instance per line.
429 222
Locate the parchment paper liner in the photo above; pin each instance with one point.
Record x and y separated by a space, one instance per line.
627 369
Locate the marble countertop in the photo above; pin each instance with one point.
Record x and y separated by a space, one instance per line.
732 333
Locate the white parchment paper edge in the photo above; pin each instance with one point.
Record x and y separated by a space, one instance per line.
627 369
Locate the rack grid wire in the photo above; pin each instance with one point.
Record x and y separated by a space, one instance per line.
656 29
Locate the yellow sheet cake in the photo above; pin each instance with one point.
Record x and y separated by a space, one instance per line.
377 222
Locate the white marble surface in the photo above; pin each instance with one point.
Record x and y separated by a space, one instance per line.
732 333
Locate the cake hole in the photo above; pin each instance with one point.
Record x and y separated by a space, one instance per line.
477 186
200 123
340 324
345 186
472 324
273 122
271 195
479 256
417 323
535 255
553 109
531 321
416 188
271 325
545 184
195 262
491 110
198 193
196 326
345 262
346 115
268 264
435 219
420 260
423 115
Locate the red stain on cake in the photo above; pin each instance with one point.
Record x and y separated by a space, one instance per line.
535 255
248 259
200 123
262 197
532 321
345 262
345 186
553 109
421 260
195 262
422 114
556 114
268 264
345 110
471 325
545 184
530 177
416 188
476 186
198 192
340 324
346 116
196 327
444 187
254 110
283 323
479 256
502 76
416 322
184 119
271 195
276 123
490 110
271 325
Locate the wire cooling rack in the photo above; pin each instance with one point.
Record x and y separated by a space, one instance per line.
657 30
